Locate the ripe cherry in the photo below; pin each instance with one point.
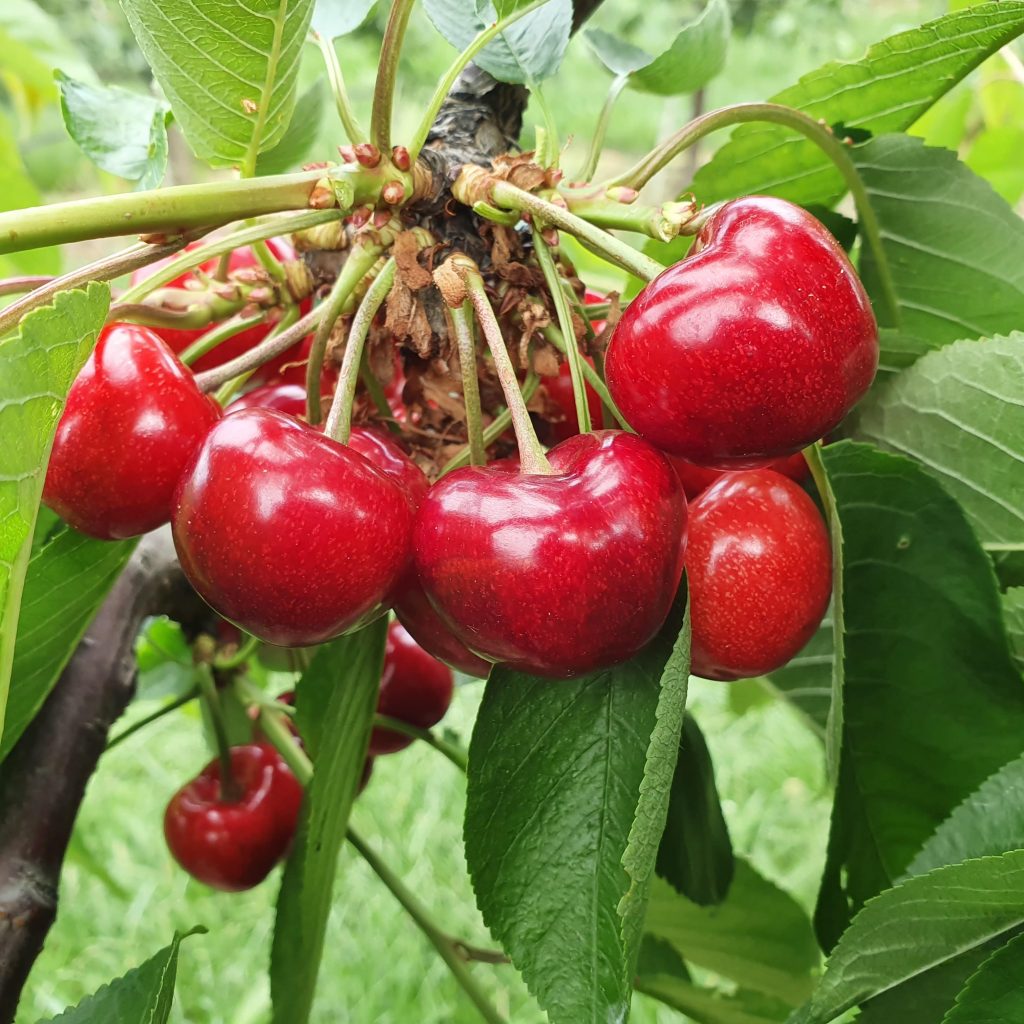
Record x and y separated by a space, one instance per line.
759 568
429 630
697 479
133 419
234 844
414 688
289 398
559 574
750 348
560 392
290 535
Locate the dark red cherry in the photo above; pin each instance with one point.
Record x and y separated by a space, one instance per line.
759 568
388 456
559 574
233 845
289 398
414 688
133 419
560 391
697 479
429 630
756 344
292 536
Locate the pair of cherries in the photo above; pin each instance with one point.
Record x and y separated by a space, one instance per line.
233 843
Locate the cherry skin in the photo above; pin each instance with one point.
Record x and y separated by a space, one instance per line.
750 348
289 398
429 630
560 392
286 533
133 419
759 568
414 688
697 479
233 845
562 574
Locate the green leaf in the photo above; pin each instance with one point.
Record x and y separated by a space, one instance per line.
617 55
925 652
301 136
37 367
567 795
228 70
335 699
960 413
123 132
529 50
706 1006
955 248
887 90
995 994
695 855
67 579
1013 615
696 55
919 924
806 681
333 18
759 937
164 659
994 154
144 994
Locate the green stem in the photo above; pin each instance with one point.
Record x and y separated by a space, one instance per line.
387 72
660 222
586 172
270 80
504 194
270 263
212 338
438 939
551 154
775 113
572 349
163 210
531 455
339 419
495 428
463 330
444 86
185 698
456 755
230 388
346 115
245 651
229 789
377 396
593 378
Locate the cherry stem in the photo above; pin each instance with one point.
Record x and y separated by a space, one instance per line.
377 396
572 349
444 86
463 330
495 428
593 378
178 702
506 195
531 455
339 419
454 952
230 791
270 263
106 269
387 72
455 754
662 223
820 134
353 130
586 172
212 338
14 285
245 651
230 388
360 262
271 347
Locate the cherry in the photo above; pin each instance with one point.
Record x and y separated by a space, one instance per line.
697 479
240 259
289 398
290 535
132 421
233 845
560 392
756 344
414 688
428 629
559 574
759 568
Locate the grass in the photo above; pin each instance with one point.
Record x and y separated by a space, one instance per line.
122 896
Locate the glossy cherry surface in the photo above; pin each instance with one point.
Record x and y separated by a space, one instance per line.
233 845
414 687
430 631
697 479
292 536
759 569
133 419
559 574
560 392
750 348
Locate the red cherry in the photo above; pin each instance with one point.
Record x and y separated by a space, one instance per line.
414 688
387 455
560 391
759 567
752 347
292 536
132 421
556 575
240 259
234 845
290 368
428 629
289 398
697 479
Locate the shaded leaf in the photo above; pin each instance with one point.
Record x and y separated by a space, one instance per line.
706 1006
301 136
333 18
806 681
1013 614
164 659
695 56
995 994
617 55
